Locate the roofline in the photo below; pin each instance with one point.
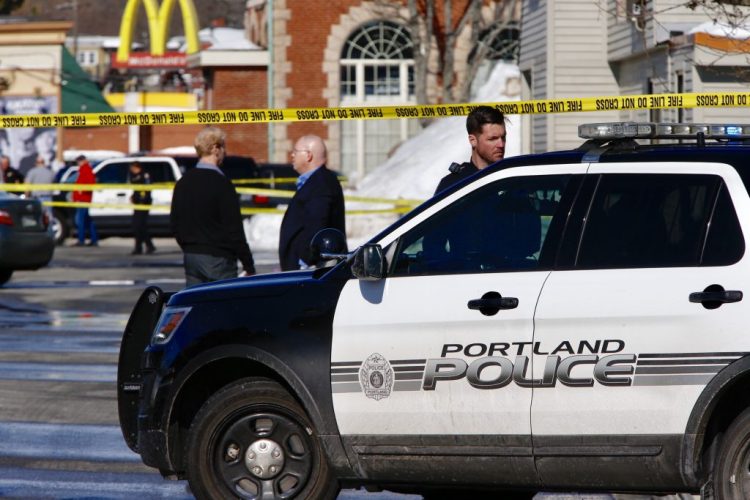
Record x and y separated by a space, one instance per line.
31 26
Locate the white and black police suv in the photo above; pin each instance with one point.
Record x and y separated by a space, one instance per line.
563 321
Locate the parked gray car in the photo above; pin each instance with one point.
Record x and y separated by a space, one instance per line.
26 238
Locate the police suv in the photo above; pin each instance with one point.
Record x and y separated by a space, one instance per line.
569 320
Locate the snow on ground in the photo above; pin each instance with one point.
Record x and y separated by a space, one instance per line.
414 169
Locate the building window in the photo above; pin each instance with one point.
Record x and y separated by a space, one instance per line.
377 68
87 57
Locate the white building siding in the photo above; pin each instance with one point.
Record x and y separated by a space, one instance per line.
622 39
533 62
578 58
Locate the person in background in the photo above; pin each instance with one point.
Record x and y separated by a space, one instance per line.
486 128
10 174
317 204
41 174
84 223
205 216
140 215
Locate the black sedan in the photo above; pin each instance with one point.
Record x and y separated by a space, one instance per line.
26 238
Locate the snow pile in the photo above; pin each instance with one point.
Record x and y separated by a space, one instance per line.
414 169
220 38
722 30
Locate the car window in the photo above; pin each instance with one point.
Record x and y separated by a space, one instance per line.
648 220
70 177
499 227
725 244
113 173
159 171
238 168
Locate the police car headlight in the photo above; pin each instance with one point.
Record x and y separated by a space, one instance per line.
170 320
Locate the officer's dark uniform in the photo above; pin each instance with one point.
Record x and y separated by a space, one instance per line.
458 172
12 176
140 216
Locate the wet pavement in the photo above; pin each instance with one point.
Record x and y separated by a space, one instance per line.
60 330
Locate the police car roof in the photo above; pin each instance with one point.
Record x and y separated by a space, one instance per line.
733 153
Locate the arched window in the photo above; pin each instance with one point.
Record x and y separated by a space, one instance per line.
377 67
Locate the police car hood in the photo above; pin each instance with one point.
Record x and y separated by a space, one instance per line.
252 286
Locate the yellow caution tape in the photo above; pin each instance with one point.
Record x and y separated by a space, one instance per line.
244 211
278 180
277 193
290 115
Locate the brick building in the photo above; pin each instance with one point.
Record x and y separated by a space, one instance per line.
328 53
316 53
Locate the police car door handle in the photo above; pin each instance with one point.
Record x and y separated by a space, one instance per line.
491 303
714 296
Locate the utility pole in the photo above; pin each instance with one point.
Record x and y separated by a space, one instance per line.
75 29
73 5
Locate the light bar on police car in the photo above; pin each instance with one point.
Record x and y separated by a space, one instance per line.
647 130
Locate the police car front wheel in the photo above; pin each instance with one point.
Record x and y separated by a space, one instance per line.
252 440
732 471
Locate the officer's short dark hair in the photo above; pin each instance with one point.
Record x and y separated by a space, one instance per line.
482 115
80 157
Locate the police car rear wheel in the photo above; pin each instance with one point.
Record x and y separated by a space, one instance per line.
252 440
732 471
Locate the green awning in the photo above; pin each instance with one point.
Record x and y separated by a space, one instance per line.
79 93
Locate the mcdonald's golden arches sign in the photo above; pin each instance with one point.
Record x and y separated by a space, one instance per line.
159 17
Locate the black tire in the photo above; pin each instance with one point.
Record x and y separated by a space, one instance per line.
257 413
60 226
5 275
731 475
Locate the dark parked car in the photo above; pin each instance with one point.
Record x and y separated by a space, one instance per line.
237 168
26 239
272 172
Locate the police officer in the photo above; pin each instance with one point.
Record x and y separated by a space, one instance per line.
10 174
486 128
140 215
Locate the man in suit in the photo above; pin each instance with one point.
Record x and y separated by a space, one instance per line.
317 204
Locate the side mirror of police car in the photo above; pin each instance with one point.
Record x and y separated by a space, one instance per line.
369 262
328 244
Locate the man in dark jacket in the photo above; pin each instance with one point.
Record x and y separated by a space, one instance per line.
10 174
486 128
317 204
205 216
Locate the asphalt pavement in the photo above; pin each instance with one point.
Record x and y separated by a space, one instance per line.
60 330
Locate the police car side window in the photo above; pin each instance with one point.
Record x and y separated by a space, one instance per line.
725 243
648 220
114 173
158 172
499 227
